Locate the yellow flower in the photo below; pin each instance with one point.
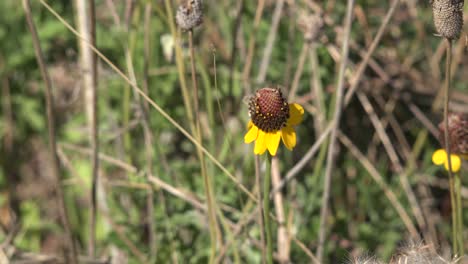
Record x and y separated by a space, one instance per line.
440 157
272 119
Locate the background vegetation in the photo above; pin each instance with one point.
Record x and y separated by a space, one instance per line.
398 92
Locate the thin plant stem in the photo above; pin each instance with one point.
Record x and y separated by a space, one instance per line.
94 129
459 212
448 61
260 218
266 211
299 71
265 63
251 46
71 254
214 229
283 243
149 136
333 135
180 66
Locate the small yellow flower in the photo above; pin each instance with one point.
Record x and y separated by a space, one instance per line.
272 119
440 157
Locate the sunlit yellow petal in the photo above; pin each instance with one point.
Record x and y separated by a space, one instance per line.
260 146
439 157
295 114
272 140
251 135
289 137
456 163
250 124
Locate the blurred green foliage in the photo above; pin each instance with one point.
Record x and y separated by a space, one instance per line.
368 223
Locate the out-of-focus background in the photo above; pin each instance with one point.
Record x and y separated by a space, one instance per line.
151 203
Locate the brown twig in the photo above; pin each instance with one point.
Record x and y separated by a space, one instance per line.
71 254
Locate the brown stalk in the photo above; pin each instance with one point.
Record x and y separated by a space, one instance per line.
70 255
88 62
282 233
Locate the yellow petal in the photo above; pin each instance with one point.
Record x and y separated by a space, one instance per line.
295 114
249 124
456 163
289 137
272 140
439 157
260 146
251 135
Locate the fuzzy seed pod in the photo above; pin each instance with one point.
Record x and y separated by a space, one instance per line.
190 14
457 132
310 25
448 17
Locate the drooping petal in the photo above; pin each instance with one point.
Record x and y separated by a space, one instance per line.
295 114
251 134
439 157
272 140
260 146
456 163
289 137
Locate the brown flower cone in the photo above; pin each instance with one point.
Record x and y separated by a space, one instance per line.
457 132
268 109
448 17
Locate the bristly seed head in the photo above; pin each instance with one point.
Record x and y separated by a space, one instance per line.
190 14
457 132
311 25
448 17
268 109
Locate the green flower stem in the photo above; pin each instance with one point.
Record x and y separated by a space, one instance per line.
454 215
459 215
266 209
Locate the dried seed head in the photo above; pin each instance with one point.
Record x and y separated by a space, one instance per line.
310 25
268 109
417 253
190 14
448 17
457 132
